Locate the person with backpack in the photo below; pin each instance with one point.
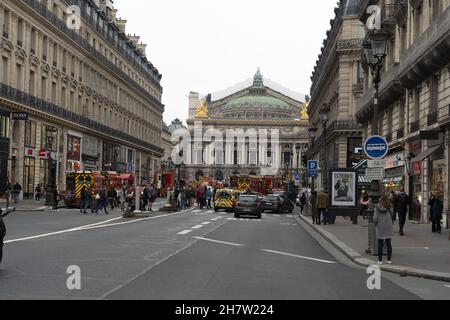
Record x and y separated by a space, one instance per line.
384 227
401 204
302 203
436 210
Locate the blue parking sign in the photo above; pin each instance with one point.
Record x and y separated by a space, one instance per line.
313 165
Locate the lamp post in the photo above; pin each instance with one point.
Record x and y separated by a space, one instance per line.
298 148
324 117
312 135
51 183
375 50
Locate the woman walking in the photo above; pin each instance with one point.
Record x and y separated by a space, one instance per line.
384 228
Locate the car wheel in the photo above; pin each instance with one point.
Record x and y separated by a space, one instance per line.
259 216
216 209
237 216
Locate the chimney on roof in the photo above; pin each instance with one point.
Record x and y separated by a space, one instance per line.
121 24
134 39
141 47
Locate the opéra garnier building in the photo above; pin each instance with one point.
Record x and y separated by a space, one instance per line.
256 128
92 97
414 99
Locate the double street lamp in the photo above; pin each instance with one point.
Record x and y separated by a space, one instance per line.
51 183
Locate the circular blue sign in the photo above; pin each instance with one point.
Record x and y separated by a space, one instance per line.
376 147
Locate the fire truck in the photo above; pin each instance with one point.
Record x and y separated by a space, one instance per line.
263 185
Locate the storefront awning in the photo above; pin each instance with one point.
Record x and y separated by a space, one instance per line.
425 154
363 180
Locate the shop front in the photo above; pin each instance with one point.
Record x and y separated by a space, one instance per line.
415 182
90 154
4 150
437 172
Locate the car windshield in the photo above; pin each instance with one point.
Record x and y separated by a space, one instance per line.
248 198
223 194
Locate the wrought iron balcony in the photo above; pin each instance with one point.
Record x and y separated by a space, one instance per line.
52 18
40 105
388 17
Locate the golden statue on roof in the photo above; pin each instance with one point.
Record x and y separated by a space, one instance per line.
202 110
304 111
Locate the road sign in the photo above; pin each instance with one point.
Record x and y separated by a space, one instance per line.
376 163
313 174
376 147
375 174
313 165
131 168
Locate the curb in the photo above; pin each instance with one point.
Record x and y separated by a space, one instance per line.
363 261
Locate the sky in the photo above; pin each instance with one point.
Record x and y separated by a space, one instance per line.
207 46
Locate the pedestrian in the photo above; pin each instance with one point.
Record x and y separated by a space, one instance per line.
56 198
103 201
302 203
37 193
152 198
322 206
436 210
83 200
181 199
401 205
145 199
364 205
112 198
384 227
17 190
209 195
313 202
392 202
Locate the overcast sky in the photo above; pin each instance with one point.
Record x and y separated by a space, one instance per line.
209 45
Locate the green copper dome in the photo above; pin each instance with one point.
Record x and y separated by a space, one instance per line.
264 102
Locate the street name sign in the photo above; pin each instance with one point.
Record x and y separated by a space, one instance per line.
376 147
375 174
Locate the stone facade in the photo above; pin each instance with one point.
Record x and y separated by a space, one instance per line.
337 82
91 83
414 98
254 109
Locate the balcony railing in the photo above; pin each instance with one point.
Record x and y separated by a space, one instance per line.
401 12
415 126
432 118
337 126
40 105
388 19
52 18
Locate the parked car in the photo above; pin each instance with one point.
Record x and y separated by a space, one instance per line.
277 203
248 205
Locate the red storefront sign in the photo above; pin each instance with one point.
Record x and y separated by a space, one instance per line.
42 153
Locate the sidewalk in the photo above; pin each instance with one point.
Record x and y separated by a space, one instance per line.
419 253
26 205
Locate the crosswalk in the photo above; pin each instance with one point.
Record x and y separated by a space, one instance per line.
224 214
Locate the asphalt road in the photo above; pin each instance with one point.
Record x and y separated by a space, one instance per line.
196 255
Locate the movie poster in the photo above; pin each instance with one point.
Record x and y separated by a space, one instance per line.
343 189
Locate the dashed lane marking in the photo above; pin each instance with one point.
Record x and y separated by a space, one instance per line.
184 232
205 223
297 256
197 227
215 219
222 242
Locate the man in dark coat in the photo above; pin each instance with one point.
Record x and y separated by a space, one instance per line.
436 209
17 190
401 204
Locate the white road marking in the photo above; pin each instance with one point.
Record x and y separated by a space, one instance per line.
276 215
232 219
205 223
290 216
197 227
222 242
447 285
92 226
210 212
184 232
297 256
288 224
412 248
215 219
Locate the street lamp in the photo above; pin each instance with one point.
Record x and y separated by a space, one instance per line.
375 50
51 183
324 117
312 132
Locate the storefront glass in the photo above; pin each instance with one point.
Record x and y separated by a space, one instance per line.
29 169
438 171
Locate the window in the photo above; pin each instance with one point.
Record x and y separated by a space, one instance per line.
4 73
416 105
55 54
44 88
44 141
30 134
434 92
63 97
44 48
54 89
33 40
19 79
6 24
31 83
402 113
20 32
360 75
